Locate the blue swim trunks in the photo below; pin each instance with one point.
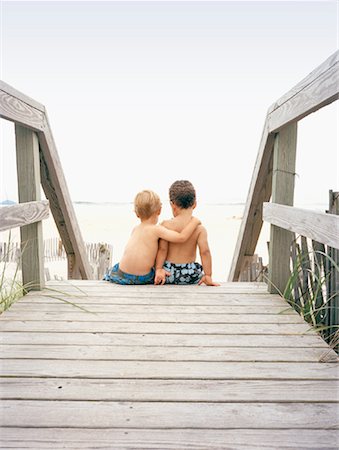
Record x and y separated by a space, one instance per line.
190 273
115 275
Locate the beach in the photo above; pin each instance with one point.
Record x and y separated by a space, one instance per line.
112 223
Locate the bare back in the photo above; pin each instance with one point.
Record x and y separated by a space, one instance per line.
184 252
140 251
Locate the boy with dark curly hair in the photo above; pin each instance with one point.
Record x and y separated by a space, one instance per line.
176 262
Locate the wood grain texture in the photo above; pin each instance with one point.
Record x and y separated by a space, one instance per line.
320 92
220 391
28 175
151 327
23 214
259 191
186 382
284 160
56 190
318 226
156 353
169 415
155 439
20 112
166 340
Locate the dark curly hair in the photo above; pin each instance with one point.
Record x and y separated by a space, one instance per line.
182 194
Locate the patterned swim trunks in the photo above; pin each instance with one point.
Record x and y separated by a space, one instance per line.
190 273
115 275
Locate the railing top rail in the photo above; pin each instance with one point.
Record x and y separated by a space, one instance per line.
320 227
23 214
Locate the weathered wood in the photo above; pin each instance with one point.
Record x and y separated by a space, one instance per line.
315 91
259 192
16 110
23 214
257 391
314 225
151 375
60 308
155 439
192 370
252 341
151 317
56 190
28 172
20 96
284 158
320 92
22 110
156 353
332 316
151 328
169 415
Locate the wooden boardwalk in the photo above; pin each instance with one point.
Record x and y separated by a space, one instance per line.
229 367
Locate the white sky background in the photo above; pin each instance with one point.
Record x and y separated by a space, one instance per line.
140 94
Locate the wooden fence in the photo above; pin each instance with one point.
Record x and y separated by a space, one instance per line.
98 254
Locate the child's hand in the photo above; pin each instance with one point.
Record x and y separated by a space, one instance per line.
206 279
160 276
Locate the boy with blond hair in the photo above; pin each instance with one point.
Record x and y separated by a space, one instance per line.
137 263
175 262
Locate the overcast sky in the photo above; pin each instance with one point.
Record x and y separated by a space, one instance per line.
140 94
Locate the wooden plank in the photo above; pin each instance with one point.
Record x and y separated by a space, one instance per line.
16 110
20 96
28 173
50 368
23 214
284 157
151 317
155 439
224 288
151 328
307 81
24 307
56 190
314 225
159 353
319 93
200 340
169 415
259 192
284 391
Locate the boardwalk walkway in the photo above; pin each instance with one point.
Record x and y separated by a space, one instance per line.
164 368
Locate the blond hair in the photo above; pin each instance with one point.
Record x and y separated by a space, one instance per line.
146 203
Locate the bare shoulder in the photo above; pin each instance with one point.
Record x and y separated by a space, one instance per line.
168 224
201 229
202 232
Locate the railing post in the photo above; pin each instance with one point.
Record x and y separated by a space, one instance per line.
332 281
28 173
284 157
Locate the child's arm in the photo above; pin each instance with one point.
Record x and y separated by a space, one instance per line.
206 259
174 236
160 273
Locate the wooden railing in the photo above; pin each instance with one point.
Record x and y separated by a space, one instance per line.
38 163
313 287
28 216
274 171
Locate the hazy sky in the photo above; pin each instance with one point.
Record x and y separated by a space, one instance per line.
140 94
